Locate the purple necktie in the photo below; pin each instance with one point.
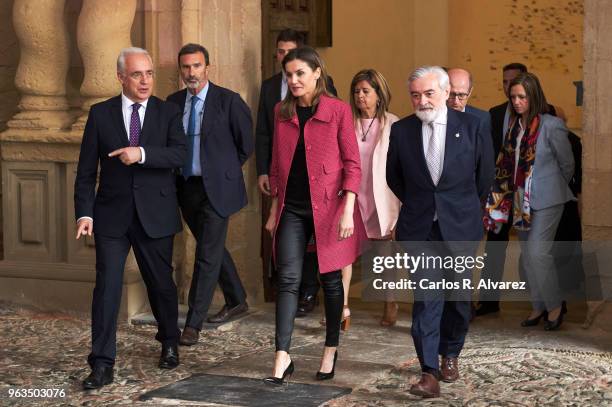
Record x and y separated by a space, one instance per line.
135 126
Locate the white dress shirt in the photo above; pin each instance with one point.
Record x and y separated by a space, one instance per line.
439 133
439 123
284 86
506 123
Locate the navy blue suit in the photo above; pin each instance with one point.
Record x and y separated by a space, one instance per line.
207 201
439 327
135 207
485 120
466 178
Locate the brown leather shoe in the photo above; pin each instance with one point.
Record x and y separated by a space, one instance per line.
389 317
189 336
449 370
427 387
226 313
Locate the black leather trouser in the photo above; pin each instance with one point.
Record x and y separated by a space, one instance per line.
292 235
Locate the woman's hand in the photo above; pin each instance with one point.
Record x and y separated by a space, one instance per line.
346 226
271 222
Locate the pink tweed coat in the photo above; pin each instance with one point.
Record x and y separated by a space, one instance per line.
332 160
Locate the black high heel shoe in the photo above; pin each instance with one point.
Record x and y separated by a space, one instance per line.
330 375
279 381
533 322
556 324
563 307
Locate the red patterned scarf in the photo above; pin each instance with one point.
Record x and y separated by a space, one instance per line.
510 193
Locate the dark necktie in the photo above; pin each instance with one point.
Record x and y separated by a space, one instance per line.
135 126
187 170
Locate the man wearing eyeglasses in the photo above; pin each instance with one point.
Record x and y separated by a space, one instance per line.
211 186
461 86
137 139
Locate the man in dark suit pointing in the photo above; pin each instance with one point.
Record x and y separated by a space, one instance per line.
137 139
440 166
211 186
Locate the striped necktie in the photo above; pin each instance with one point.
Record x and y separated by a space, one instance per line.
433 155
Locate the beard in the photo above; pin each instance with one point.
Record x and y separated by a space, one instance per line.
427 113
192 83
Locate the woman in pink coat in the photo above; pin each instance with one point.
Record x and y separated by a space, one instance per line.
314 179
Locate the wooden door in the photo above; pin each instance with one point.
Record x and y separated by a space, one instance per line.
310 17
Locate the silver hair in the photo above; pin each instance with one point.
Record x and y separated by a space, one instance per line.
129 51
440 73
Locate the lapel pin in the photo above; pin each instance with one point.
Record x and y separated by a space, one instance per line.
457 135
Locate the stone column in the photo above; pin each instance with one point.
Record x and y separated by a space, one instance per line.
597 152
43 264
231 31
41 74
103 30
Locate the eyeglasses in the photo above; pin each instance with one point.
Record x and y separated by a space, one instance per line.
458 96
139 75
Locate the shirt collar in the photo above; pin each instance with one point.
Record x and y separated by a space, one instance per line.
126 102
283 77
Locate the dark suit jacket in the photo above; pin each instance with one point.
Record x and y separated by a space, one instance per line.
483 115
467 174
269 96
226 143
149 188
497 114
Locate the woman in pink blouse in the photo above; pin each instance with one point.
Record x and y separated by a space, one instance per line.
378 205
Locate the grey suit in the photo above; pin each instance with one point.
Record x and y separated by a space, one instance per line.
552 170
554 165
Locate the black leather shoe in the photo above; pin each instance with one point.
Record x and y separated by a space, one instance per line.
533 322
279 381
306 305
487 307
169 358
556 324
553 325
227 313
326 376
99 376
564 307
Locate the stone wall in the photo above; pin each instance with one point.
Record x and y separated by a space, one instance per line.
59 58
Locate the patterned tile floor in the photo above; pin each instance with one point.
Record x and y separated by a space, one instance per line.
501 365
